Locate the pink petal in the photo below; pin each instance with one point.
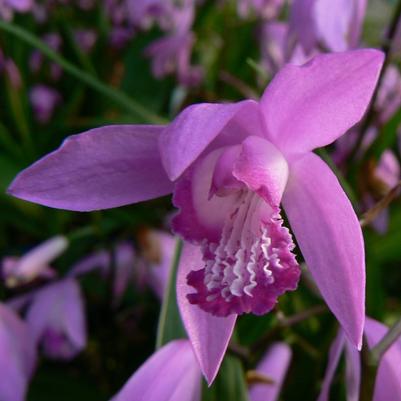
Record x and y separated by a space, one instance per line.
197 126
103 168
209 335
302 24
388 384
58 308
353 371
36 262
274 365
310 106
262 168
333 22
158 272
330 237
17 356
170 374
336 349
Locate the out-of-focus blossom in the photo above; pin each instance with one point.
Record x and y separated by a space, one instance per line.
157 253
149 268
276 50
274 365
36 60
144 12
56 319
335 25
387 385
182 383
264 8
17 271
17 356
389 95
86 39
172 53
10 69
8 7
230 166
171 373
44 100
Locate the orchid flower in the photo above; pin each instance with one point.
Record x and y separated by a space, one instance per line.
387 385
151 383
56 319
17 356
265 8
44 100
7 7
35 263
230 166
336 25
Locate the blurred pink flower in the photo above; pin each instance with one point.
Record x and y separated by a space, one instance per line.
387 385
263 8
8 7
335 25
35 263
44 100
56 319
183 383
17 356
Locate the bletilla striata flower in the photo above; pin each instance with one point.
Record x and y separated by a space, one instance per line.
17 356
56 319
35 263
150 382
231 167
387 385
335 25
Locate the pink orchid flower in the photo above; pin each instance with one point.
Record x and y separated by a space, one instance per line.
56 320
387 385
35 263
264 8
17 356
183 381
230 167
336 25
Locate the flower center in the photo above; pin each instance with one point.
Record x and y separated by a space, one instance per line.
250 266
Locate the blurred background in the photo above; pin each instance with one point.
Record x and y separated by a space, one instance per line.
67 66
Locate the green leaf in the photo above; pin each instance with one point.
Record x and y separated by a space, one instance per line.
170 326
230 383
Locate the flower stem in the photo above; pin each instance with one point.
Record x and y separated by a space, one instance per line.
117 96
385 343
386 48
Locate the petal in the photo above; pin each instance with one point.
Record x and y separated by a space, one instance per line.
36 262
59 308
159 270
199 215
103 168
17 356
209 335
333 22
274 365
262 168
336 350
198 125
330 237
168 375
312 105
388 384
353 372
302 24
